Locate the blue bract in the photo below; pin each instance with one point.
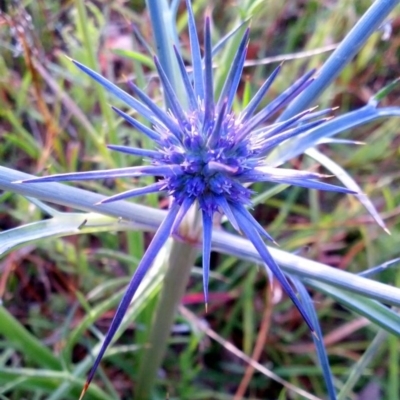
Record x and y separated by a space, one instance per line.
205 154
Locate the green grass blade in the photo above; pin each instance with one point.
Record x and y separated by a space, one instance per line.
27 343
359 367
63 224
47 381
371 309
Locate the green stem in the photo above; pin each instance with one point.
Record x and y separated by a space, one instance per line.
24 341
181 260
46 381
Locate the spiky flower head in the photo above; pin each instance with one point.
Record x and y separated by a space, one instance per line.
206 155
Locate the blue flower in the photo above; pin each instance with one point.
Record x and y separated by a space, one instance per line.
206 155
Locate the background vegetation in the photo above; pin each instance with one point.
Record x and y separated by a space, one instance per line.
60 294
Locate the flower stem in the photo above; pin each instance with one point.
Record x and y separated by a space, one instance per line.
182 255
181 259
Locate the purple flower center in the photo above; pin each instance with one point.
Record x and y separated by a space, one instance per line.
209 168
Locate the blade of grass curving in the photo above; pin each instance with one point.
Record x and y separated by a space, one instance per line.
64 224
134 55
348 181
344 53
382 267
52 212
371 309
222 42
261 198
24 341
359 367
47 381
319 344
90 317
384 92
142 40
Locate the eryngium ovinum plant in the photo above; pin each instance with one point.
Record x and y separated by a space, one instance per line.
205 156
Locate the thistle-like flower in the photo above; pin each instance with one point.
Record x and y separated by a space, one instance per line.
206 155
